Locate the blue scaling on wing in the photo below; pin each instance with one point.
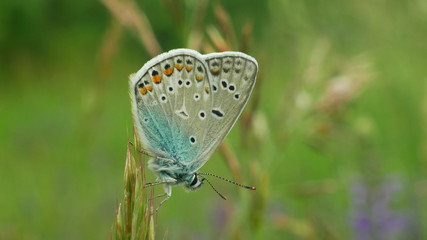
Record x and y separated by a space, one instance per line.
171 140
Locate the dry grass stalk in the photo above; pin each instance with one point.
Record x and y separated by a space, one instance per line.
217 39
108 47
134 218
231 160
195 39
207 48
245 38
126 12
316 62
347 86
248 115
297 97
226 25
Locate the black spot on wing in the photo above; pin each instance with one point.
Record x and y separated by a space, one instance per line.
224 84
183 114
217 113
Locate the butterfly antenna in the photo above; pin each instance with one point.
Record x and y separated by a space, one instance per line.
223 197
224 179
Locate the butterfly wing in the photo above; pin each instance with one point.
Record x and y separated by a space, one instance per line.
170 103
232 78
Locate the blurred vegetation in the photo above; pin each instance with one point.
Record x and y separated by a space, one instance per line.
333 137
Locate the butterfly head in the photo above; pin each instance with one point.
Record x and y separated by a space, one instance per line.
193 182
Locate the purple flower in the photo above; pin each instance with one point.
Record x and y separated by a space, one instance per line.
372 215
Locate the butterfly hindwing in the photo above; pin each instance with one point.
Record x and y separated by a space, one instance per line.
233 77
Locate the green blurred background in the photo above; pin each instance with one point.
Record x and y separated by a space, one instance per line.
333 137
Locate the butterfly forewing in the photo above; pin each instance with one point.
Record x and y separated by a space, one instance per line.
171 104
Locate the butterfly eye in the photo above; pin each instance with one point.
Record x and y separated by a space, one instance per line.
195 180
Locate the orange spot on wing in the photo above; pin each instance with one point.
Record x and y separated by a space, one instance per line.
168 71
179 67
157 79
199 78
215 70
149 88
188 68
207 89
143 90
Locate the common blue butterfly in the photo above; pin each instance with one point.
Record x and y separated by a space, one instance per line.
184 104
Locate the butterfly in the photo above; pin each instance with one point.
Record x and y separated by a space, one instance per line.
183 105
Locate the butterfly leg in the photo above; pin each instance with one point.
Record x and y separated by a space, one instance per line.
168 193
160 182
158 196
